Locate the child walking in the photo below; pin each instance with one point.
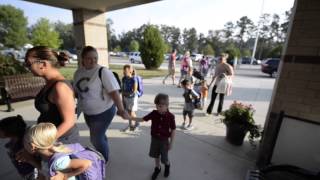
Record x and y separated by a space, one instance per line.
204 93
162 133
129 95
188 109
14 128
40 140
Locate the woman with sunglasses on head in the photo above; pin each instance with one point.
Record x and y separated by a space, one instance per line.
55 101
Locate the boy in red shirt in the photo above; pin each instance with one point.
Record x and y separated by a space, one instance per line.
162 133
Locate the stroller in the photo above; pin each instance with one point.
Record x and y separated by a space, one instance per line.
197 86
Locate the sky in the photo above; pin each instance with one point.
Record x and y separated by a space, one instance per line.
204 15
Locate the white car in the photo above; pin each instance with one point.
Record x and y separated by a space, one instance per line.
134 57
196 57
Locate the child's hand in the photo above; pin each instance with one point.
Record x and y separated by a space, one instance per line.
124 114
59 176
170 146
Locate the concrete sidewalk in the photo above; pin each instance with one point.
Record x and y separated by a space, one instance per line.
200 154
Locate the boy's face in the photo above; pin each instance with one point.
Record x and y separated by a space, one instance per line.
162 107
127 72
187 86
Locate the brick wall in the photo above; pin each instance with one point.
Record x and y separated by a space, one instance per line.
297 89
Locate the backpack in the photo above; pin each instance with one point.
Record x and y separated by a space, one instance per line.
140 85
97 169
115 75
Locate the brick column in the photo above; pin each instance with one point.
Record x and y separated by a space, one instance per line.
90 29
297 89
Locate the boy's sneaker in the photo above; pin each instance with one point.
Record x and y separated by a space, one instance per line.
166 170
189 127
136 129
183 126
127 129
156 172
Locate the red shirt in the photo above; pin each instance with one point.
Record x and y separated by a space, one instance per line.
161 124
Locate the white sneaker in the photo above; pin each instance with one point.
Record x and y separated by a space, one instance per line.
190 127
183 126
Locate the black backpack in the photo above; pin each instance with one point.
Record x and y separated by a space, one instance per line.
115 75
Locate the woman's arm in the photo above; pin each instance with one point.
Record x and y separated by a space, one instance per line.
117 100
63 98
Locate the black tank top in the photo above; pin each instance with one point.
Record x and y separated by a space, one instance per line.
49 113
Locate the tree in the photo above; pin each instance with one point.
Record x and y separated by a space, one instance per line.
285 25
208 50
171 36
233 52
276 51
152 48
190 39
246 53
245 25
13 27
117 49
66 34
228 29
275 32
134 46
43 34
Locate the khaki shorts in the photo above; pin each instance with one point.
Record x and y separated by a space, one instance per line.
171 71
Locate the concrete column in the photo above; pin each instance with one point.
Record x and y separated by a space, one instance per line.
297 88
90 29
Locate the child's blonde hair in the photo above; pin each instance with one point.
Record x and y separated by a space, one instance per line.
44 136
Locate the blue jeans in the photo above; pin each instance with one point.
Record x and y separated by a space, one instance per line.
98 125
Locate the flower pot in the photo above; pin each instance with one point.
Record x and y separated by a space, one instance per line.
236 133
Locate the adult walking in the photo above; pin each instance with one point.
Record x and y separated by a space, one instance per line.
171 67
186 64
98 94
55 101
222 70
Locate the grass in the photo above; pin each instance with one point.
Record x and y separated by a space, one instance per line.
69 70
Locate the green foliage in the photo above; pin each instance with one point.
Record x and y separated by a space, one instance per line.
275 52
43 34
10 66
117 49
242 114
66 34
246 53
190 39
134 46
13 27
233 52
208 50
152 48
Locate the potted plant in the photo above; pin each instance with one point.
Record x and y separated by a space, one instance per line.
239 120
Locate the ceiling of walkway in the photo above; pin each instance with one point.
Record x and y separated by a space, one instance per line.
98 5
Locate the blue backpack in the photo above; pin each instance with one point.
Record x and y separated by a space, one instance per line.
140 85
97 169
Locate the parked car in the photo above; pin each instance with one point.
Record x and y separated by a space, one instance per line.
134 57
196 57
270 66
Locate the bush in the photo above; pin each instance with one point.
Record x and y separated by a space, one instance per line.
10 66
152 48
